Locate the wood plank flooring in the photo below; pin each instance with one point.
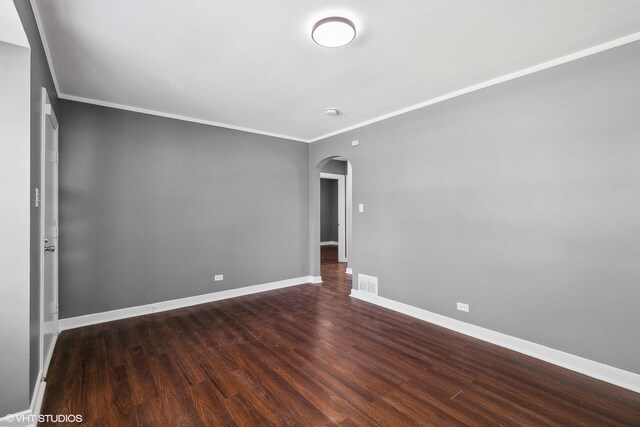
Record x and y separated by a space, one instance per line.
310 355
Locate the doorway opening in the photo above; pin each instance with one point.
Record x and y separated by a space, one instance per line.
48 201
335 224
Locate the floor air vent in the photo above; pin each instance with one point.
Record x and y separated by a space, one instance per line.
368 284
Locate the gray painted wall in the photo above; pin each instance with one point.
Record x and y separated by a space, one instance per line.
14 215
328 210
40 77
338 167
151 208
520 199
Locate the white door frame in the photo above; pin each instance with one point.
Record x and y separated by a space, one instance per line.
349 211
47 114
342 255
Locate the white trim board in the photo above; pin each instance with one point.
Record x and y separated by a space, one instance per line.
140 310
9 419
316 279
34 409
520 73
175 116
47 114
330 243
45 44
543 66
342 212
600 371
49 356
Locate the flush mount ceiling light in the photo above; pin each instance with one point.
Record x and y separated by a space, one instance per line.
332 111
334 31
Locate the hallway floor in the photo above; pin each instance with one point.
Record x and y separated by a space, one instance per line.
310 355
333 273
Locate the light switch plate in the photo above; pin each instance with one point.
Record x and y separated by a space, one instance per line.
355 143
361 207
218 277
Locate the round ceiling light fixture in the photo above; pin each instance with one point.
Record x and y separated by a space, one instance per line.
332 111
334 31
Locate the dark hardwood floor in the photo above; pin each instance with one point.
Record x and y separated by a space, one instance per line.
310 355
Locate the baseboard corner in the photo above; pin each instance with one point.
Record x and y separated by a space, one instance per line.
28 417
140 310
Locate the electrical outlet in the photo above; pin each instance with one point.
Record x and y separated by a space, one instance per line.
218 277
462 306
361 207
355 143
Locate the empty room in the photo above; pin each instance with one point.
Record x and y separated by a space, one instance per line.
354 213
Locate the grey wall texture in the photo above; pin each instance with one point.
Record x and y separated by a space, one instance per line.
40 77
328 210
520 199
151 208
338 167
15 181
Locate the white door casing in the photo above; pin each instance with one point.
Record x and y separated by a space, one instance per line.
49 233
342 255
349 211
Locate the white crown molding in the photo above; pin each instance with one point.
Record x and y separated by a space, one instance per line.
600 371
140 310
45 44
511 76
175 116
530 70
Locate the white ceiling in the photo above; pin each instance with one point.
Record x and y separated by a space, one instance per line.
11 30
251 64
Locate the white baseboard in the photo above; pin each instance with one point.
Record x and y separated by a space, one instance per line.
348 271
330 243
38 398
316 279
600 371
10 419
124 313
30 414
49 356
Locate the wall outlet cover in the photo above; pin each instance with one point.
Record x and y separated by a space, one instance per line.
462 306
218 277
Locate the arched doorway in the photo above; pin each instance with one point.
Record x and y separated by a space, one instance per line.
332 223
